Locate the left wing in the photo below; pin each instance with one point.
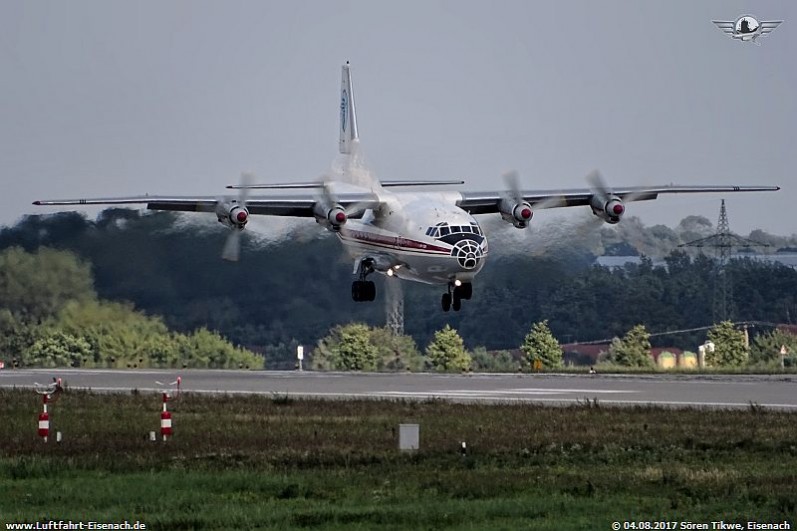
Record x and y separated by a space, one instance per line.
490 202
726 26
287 205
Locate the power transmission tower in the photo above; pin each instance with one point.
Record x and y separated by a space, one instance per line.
723 242
394 305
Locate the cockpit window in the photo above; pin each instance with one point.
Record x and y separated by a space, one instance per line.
444 229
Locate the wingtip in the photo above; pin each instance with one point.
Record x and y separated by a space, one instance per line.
37 202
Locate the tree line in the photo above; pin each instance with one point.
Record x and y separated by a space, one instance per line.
359 347
50 315
294 291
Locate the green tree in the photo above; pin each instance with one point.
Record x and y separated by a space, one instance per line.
484 361
16 336
35 286
205 348
729 346
57 349
118 335
395 352
765 348
633 350
447 351
541 345
347 348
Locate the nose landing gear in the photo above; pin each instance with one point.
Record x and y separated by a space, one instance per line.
455 295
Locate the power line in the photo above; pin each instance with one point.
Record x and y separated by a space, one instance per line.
761 324
723 242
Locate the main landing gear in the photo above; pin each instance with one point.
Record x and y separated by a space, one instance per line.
455 295
363 290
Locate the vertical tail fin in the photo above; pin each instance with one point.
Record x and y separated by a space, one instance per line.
348 115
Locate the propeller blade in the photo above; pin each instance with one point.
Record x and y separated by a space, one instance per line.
356 208
550 202
512 182
232 247
247 178
598 185
329 199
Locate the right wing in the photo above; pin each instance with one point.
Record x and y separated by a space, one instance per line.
768 26
490 202
288 205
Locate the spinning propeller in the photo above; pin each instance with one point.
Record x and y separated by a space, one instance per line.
238 216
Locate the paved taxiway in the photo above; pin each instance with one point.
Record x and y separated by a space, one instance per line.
672 390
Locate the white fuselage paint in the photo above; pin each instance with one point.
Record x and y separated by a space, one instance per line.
396 237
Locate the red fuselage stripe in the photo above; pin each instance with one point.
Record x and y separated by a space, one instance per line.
392 242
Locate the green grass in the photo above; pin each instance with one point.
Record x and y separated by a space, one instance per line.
259 462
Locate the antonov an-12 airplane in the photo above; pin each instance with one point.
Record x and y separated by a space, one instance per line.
429 237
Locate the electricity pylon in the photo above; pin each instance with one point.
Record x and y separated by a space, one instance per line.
723 242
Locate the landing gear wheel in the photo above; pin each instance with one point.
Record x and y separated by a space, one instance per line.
363 290
446 302
466 291
370 290
457 303
356 291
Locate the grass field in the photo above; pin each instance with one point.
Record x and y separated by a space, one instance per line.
259 462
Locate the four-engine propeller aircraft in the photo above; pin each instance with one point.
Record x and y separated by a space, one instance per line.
429 237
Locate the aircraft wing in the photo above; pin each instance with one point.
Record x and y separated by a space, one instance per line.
768 26
273 205
727 26
488 202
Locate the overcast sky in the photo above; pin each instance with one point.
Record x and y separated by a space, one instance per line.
103 98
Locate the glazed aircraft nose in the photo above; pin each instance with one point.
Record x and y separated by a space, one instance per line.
468 252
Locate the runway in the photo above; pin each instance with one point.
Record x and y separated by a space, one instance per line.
772 391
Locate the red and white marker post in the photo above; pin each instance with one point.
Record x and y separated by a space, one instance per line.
166 419
47 393
166 416
44 419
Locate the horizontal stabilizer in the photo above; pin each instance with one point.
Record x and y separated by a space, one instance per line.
385 184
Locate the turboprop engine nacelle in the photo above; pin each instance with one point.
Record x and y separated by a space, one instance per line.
609 211
518 214
333 218
234 216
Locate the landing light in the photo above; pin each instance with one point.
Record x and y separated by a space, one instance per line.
390 272
457 282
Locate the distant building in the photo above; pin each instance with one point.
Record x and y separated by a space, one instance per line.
577 354
663 357
615 262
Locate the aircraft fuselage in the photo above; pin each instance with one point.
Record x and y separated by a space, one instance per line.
420 238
